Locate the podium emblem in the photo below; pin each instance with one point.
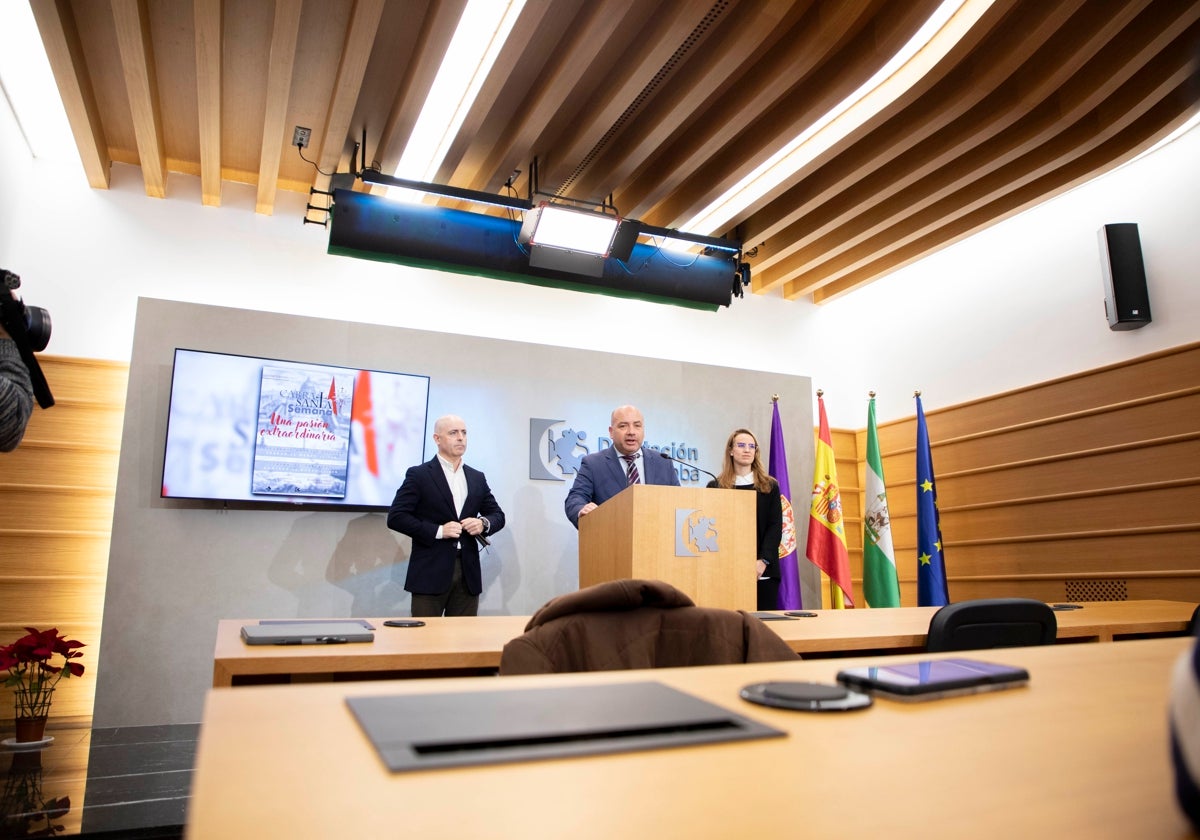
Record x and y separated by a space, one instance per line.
694 532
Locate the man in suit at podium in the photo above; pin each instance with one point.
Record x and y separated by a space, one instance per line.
604 474
448 510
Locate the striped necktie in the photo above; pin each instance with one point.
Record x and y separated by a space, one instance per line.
631 470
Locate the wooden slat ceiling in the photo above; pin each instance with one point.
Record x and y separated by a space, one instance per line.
662 104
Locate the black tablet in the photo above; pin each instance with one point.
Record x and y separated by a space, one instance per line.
933 678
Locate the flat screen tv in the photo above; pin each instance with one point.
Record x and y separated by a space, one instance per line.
244 429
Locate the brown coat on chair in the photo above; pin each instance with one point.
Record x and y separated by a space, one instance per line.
626 624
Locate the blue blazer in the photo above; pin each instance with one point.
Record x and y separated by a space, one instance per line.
423 504
602 475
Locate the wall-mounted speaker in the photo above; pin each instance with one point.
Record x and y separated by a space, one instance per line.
1126 298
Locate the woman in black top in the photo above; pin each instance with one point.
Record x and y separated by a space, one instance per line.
743 470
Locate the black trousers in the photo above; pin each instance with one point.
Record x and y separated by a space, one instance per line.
454 601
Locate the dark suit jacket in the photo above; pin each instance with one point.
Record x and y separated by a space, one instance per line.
423 504
602 475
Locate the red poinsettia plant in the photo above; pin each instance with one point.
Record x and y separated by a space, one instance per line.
31 673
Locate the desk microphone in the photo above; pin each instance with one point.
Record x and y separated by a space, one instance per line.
686 464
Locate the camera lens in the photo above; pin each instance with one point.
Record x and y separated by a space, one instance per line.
37 325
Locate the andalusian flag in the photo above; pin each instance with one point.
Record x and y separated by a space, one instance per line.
880 584
826 522
931 563
789 573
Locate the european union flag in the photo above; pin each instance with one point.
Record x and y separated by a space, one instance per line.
931 562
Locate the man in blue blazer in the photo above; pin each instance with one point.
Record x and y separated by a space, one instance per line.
448 510
604 474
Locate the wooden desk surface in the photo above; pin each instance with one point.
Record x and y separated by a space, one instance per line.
907 627
1081 752
458 643
442 644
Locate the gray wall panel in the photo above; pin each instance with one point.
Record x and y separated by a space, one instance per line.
176 568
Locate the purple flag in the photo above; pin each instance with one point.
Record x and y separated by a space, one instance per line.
789 572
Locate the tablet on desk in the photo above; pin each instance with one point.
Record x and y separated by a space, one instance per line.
933 678
306 633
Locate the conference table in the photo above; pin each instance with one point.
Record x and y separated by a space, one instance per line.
1081 751
465 646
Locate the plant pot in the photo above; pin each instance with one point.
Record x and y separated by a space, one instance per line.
31 729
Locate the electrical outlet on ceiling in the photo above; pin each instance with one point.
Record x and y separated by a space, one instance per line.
300 136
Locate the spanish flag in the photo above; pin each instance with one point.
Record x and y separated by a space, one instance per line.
826 522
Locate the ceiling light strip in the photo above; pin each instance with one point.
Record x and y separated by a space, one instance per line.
477 41
936 37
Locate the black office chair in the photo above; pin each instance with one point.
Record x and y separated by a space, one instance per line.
991 623
1194 623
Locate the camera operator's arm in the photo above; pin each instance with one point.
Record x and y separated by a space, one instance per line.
16 394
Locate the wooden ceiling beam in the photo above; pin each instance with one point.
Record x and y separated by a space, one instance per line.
285 33
632 61
825 61
511 111
207 15
983 85
421 67
1139 56
897 169
131 19
60 38
562 58
356 52
700 86
1146 109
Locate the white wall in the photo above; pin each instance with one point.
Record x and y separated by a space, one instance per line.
1016 304
1021 302
1013 305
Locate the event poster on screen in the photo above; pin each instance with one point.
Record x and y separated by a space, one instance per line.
302 443
241 428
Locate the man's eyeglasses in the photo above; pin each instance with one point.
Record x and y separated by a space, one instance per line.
750 446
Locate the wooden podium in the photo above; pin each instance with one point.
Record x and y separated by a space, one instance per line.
660 533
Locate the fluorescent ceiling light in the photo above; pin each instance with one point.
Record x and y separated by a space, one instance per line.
481 33
948 24
27 86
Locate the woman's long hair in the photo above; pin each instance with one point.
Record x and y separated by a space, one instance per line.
762 481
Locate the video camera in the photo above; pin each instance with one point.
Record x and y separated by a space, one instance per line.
29 328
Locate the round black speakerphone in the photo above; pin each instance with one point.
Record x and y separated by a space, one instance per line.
805 696
403 622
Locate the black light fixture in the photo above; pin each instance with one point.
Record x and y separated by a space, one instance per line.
531 248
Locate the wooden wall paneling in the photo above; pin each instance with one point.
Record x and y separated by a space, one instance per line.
1154 463
1150 376
1087 485
1117 424
57 490
68 463
25 553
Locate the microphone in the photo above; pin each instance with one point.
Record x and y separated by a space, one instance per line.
686 464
